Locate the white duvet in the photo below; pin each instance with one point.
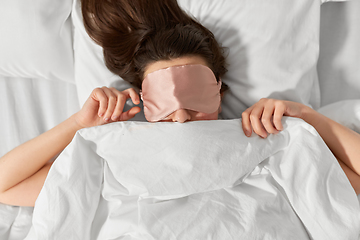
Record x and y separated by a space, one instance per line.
198 180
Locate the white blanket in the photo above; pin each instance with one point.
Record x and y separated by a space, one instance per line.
198 180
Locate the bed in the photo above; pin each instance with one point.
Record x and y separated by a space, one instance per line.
305 51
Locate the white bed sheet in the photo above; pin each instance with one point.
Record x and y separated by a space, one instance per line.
198 180
29 107
32 106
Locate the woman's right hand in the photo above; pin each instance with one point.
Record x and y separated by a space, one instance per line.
105 105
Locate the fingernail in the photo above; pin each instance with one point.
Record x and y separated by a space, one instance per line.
114 118
106 119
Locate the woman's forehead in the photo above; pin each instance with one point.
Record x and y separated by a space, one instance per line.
186 60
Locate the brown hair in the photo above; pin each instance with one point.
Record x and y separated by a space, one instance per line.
135 33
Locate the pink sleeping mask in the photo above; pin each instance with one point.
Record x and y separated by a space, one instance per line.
192 87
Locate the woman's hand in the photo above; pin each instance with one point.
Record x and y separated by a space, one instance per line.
265 116
105 105
24 169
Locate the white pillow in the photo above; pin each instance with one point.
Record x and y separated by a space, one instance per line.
273 50
339 59
346 112
324 1
36 39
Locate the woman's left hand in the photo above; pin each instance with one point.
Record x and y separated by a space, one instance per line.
265 116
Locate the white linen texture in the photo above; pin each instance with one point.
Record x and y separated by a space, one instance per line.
198 180
36 39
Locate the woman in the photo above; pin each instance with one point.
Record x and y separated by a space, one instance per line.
170 42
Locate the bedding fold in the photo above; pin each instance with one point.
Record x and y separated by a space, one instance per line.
198 180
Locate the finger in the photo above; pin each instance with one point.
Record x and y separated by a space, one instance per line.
119 105
131 93
121 100
245 121
256 124
112 99
126 94
267 118
99 95
278 114
129 114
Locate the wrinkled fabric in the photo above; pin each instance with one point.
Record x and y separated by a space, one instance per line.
198 180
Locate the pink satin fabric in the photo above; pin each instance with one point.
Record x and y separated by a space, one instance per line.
192 87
